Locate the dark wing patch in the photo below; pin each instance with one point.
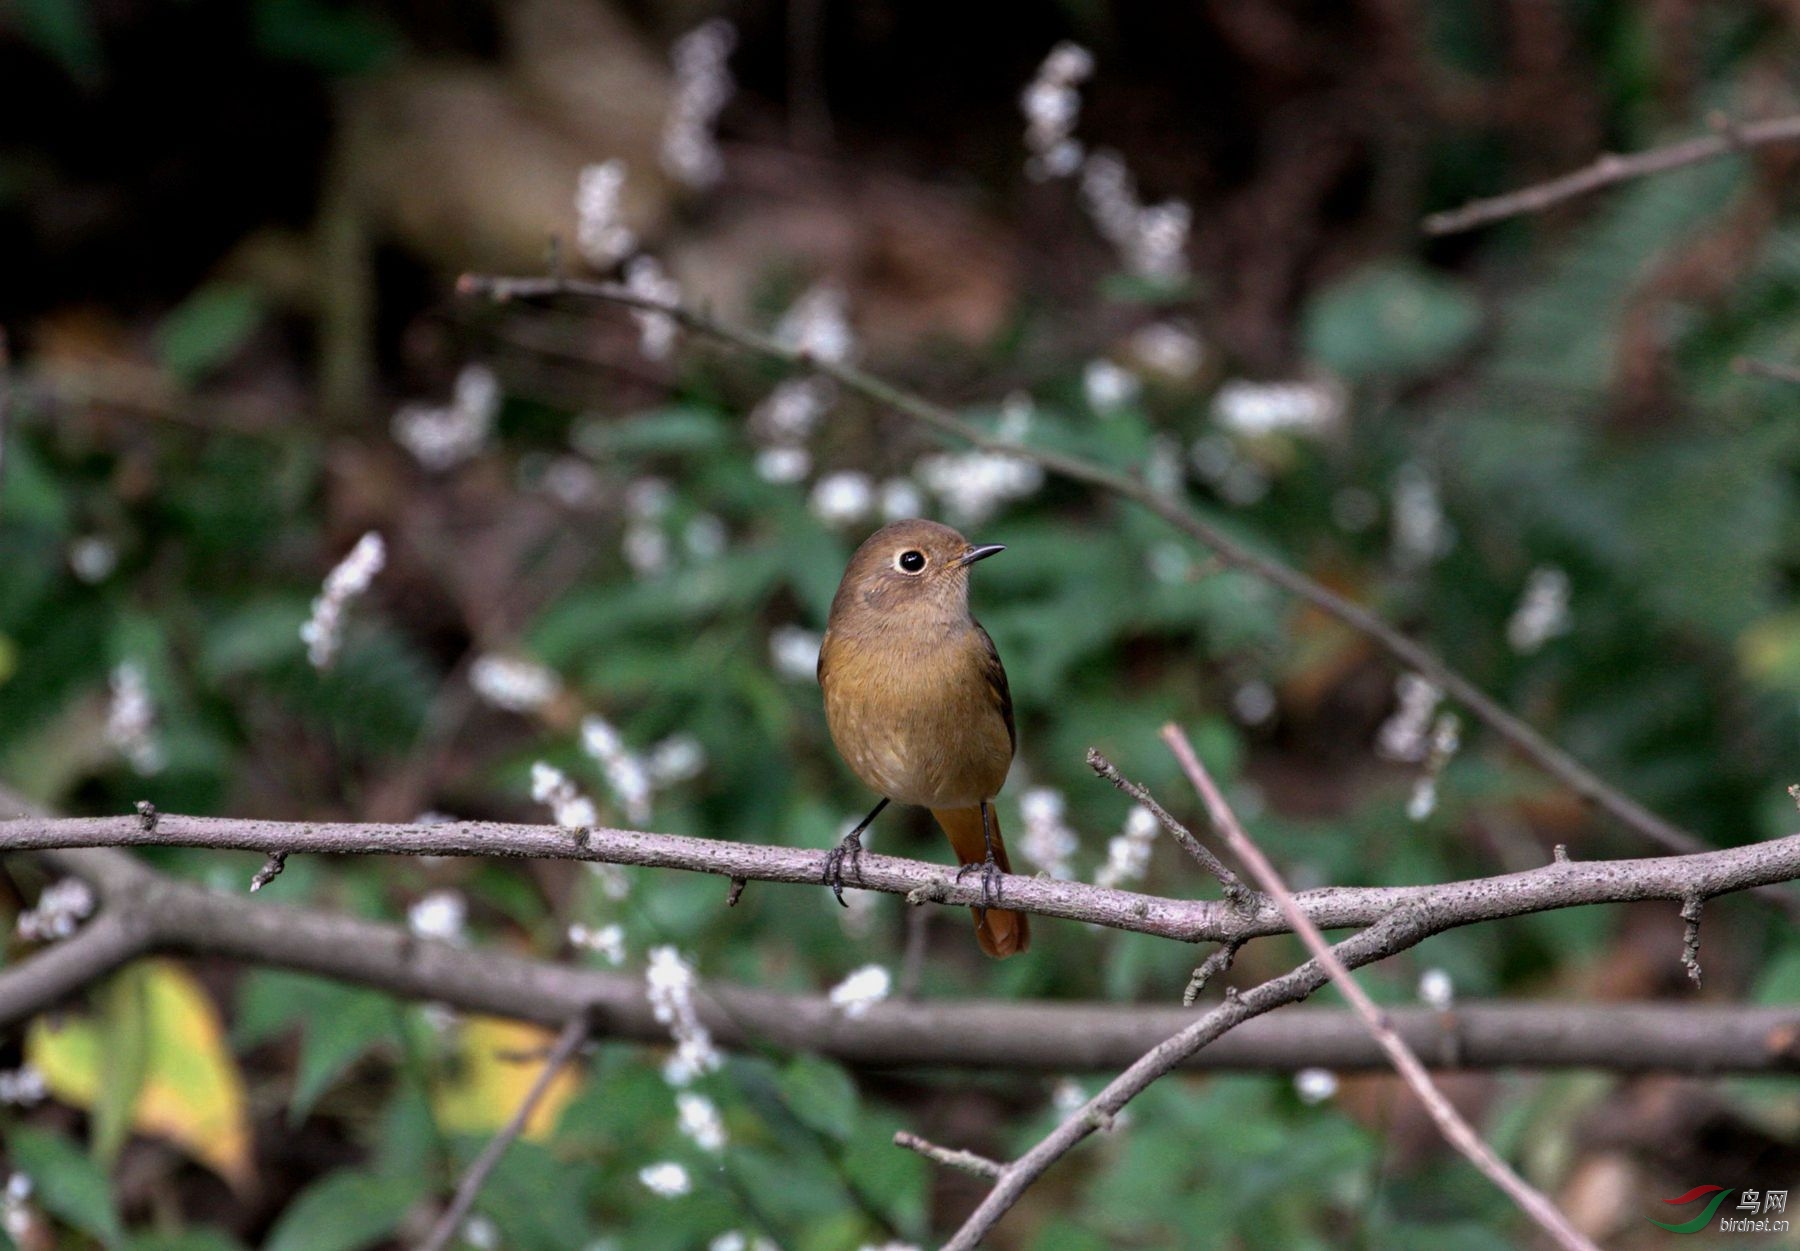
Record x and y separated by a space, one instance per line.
995 673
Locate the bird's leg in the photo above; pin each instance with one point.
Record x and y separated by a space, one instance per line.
989 866
850 847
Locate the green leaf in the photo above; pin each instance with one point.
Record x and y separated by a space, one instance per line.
1390 319
338 39
344 1211
821 1095
68 1184
63 29
207 329
356 1021
186 1240
125 1024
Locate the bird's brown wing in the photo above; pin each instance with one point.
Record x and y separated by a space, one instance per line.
995 673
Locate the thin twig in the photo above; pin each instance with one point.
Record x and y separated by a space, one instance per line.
967 1161
1215 965
1455 1129
1690 937
1775 371
1235 890
1586 784
1611 168
271 869
573 1035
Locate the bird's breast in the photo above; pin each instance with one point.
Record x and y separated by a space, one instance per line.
916 720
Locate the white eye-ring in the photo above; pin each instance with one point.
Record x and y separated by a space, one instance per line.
911 561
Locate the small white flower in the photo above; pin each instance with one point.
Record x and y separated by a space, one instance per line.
481 1233
600 230
92 558
669 982
1436 988
1051 103
668 1179
23 1087
646 549
1068 1095
647 498
323 630
16 1216
1258 409
699 1119
440 436
703 86
61 908
795 653
783 465
1405 736
973 485
1108 387
512 684
441 915
843 498
706 537
1048 841
1315 1085
1543 611
1018 413
626 773
1151 239
818 325
608 941
553 788
131 720
1421 532
1169 349
789 413
1128 854
644 276
862 990
572 482
678 758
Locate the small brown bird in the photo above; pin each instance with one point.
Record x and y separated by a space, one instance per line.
917 702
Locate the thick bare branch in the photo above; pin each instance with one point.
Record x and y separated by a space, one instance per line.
1457 1131
1230 552
1559 884
1612 168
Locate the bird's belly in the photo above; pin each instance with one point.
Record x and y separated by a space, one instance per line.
909 742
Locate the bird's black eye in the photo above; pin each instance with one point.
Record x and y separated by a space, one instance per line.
911 561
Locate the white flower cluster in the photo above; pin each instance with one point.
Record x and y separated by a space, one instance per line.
1543 612
1405 736
442 915
698 1118
645 276
1238 479
1446 738
1253 702
1048 841
795 653
553 788
901 498
862 990
569 480
1069 1096
703 86
1128 853
607 941
22 1087
817 325
512 684
973 485
323 631
62 907
1051 103
480 1232
786 417
1255 409
646 543
667 1178
92 558
439 436
1168 348
131 720
600 230
1315 1085
1421 532
843 498
1151 239
669 982
16 1216
736 1240
1108 387
627 774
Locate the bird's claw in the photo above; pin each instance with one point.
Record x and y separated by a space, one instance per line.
990 880
849 849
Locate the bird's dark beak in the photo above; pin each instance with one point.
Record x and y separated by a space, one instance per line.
980 553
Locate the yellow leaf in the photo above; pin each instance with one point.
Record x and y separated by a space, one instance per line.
193 1094
497 1061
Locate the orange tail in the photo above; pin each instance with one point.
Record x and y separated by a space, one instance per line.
1000 931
